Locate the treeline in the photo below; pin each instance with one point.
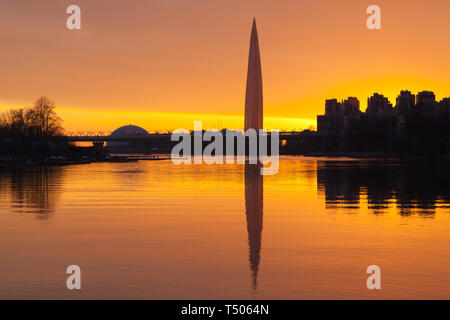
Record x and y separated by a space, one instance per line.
38 121
32 131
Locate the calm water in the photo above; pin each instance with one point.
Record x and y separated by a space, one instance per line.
155 230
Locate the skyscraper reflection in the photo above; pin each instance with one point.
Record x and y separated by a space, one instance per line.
254 213
412 188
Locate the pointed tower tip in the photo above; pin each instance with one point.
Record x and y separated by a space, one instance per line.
254 24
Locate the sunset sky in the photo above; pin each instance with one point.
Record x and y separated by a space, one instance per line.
161 64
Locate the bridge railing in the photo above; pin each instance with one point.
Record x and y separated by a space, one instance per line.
83 136
88 133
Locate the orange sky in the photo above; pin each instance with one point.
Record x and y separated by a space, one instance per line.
161 64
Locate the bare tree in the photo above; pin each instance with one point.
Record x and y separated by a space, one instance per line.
43 118
15 122
40 120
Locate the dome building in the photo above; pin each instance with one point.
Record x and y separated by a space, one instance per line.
133 146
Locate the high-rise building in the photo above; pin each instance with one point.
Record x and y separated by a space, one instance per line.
352 114
405 102
332 106
378 105
254 91
426 102
425 97
351 106
444 106
333 120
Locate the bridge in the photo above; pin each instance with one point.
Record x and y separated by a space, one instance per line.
100 136
161 142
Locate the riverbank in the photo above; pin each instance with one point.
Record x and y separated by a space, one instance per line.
19 162
352 154
381 156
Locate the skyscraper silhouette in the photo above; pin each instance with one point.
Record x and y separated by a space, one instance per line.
254 93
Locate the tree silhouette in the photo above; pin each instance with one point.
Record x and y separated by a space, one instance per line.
44 118
39 121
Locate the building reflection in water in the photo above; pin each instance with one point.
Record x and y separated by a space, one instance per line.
411 189
33 190
254 214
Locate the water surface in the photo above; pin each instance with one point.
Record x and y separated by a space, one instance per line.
155 230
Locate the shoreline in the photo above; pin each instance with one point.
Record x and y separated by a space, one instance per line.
379 156
18 162
11 162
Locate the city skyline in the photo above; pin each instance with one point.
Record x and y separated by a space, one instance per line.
405 96
152 66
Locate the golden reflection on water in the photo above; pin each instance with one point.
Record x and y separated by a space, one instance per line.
31 190
152 229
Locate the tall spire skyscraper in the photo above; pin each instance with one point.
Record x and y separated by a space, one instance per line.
254 93
253 177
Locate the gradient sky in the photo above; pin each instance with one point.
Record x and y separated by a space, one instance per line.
161 64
